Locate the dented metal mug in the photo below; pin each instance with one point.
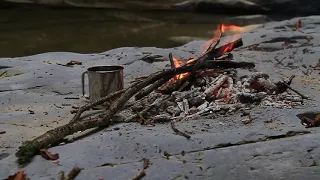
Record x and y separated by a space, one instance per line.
103 80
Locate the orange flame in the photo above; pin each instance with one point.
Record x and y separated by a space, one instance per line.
178 63
220 29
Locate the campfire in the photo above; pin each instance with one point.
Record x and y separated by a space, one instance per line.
206 86
210 87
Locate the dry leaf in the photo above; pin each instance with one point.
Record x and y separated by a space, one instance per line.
317 120
73 62
18 176
47 155
297 25
146 163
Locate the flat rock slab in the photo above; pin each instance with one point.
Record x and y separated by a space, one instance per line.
35 96
275 7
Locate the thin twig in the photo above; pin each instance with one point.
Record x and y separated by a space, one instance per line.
140 116
140 175
289 87
72 174
3 73
173 65
95 103
58 106
71 98
177 131
146 163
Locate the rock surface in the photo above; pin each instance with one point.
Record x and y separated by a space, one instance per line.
283 7
33 92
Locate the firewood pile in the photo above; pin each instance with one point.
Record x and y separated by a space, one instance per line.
196 87
212 87
213 93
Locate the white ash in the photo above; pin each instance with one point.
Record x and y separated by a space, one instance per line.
162 118
224 94
185 106
203 106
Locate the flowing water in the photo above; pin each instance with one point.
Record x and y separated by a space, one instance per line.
28 31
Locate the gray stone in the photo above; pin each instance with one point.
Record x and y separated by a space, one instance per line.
280 7
219 148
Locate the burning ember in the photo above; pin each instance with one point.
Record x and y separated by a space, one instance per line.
211 86
216 37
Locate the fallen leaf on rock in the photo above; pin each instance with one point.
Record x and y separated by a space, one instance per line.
146 163
18 176
297 25
317 120
47 155
75 62
310 121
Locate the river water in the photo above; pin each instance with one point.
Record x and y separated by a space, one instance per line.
28 31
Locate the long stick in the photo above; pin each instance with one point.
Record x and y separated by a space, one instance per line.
178 131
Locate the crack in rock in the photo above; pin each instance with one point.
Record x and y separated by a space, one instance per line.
35 87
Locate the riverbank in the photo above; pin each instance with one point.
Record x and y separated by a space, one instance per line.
235 7
36 91
29 31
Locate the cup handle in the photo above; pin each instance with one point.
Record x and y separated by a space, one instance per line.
83 82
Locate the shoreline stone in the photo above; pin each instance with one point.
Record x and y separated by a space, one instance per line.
222 147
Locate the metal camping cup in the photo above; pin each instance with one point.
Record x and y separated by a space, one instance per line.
103 80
